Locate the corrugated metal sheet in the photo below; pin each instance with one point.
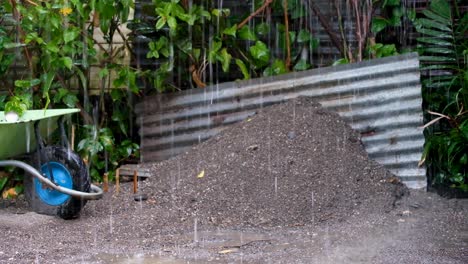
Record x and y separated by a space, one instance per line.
380 98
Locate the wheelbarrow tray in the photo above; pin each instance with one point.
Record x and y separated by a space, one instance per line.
17 138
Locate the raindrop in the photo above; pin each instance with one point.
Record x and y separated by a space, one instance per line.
28 138
276 186
111 221
312 201
195 230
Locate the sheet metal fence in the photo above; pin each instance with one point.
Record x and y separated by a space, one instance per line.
380 98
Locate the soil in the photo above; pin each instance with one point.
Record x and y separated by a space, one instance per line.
293 184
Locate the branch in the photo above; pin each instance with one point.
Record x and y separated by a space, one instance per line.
17 17
342 34
260 9
323 21
359 37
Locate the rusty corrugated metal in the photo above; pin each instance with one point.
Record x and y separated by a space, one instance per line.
380 98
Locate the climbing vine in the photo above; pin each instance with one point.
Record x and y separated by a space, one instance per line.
66 66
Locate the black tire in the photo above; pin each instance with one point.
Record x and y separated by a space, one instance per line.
71 208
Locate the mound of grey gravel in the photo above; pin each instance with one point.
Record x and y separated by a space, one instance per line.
292 164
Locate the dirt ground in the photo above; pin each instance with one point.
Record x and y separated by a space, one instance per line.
291 185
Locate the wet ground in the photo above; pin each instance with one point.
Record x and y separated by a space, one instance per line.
291 185
424 229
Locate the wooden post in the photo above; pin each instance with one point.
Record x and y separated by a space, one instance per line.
73 137
135 181
117 180
105 186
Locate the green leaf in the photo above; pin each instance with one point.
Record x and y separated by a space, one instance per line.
70 35
431 14
314 43
160 23
262 29
341 61
246 33
52 47
19 189
391 3
213 52
463 160
442 8
303 36
428 23
243 69
378 24
196 53
435 67
434 33
185 46
2 102
67 62
231 31
3 182
27 83
301 65
61 92
47 79
278 67
70 100
297 10
226 59
216 12
172 23
260 52
116 95
437 59
439 50
103 73
106 141
119 118
436 41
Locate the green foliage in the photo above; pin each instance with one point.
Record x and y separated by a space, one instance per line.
203 43
377 19
3 182
393 16
444 48
54 40
380 50
100 148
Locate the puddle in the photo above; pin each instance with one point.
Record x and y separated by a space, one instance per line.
226 239
209 247
140 259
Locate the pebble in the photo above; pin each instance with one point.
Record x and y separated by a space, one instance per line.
140 197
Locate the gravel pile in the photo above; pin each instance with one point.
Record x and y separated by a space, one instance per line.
292 164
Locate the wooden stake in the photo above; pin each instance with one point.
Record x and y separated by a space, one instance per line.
135 181
117 180
73 137
105 186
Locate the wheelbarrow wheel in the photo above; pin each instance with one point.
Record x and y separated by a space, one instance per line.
68 170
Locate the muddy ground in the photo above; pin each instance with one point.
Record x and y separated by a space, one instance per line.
291 185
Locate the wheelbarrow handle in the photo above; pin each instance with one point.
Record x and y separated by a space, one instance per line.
95 194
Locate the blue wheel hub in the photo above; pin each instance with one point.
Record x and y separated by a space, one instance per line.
61 176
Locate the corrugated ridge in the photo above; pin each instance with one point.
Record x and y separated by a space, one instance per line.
381 99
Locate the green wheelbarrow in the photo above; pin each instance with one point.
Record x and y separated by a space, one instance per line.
57 181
